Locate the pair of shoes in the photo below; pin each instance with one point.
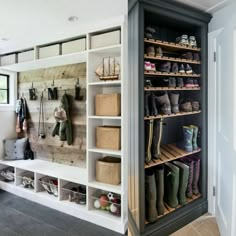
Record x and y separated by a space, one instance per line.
188 41
194 174
50 185
188 105
154 193
151 32
152 52
191 83
148 66
174 68
8 174
175 82
28 180
187 69
191 56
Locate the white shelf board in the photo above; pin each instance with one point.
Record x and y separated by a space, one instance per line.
65 172
115 50
102 214
105 117
44 194
105 151
106 187
67 59
106 83
74 205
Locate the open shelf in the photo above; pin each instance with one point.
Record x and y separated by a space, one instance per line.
168 88
158 73
168 209
182 113
106 187
105 117
170 152
105 151
172 59
115 49
170 46
106 83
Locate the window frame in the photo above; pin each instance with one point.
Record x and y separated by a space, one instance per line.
7 89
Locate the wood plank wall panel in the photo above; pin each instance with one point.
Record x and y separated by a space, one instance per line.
51 148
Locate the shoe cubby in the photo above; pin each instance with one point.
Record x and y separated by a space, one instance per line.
7 174
25 179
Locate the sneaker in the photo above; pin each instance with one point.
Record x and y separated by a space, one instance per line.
153 67
165 67
192 41
196 56
147 65
151 32
159 52
151 51
172 82
180 82
181 69
187 55
195 83
148 83
189 83
188 69
174 68
183 40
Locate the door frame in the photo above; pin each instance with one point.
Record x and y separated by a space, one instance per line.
212 126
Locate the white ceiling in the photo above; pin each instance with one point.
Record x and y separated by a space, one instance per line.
29 22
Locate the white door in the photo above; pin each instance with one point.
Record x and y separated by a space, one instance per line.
223 127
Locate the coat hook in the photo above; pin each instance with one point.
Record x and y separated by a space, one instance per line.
52 83
32 85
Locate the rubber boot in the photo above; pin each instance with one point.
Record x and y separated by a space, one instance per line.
156 141
183 181
188 139
159 174
154 111
196 174
147 104
171 185
148 140
164 103
174 101
150 196
195 134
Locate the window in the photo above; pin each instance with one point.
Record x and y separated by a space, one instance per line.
4 89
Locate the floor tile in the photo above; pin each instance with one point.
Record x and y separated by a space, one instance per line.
186 231
209 228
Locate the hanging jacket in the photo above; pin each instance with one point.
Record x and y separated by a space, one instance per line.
63 126
22 115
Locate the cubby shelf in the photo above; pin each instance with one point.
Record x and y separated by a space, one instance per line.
168 209
172 59
170 45
170 152
114 48
169 88
106 187
105 117
105 83
105 151
172 115
158 73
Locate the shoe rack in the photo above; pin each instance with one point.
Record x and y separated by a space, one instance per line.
171 21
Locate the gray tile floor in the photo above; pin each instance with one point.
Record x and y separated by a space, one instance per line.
20 217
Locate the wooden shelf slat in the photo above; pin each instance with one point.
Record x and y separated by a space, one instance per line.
172 115
169 209
167 88
158 73
172 59
170 45
170 152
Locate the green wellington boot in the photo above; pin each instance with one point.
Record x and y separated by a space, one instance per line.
195 134
183 181
159 173
150 196
148 140
171 185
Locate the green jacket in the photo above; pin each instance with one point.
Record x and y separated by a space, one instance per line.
63 128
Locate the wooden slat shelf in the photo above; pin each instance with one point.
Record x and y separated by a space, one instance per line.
170 45
169 209
169 88
158 73
172 115
172 59
169 152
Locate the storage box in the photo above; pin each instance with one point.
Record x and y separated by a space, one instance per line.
108 104
108 137
8 59
108 170
26 56
105 39
74 46
49 51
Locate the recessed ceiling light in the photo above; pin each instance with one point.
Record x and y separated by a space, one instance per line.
73 18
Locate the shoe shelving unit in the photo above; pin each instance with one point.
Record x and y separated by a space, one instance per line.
171 20
65 174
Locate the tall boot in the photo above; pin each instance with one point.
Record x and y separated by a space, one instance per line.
154 111
196 174
148 140
147 104
164 103
171 185
174 101
188 139
195 134
156 141
150 196
183 181
159 173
